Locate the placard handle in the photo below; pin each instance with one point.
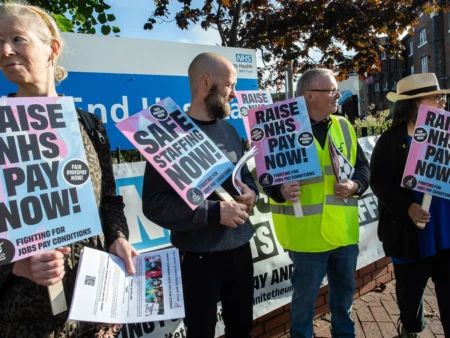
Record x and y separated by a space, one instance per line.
426 202
57 298
224 195
298 209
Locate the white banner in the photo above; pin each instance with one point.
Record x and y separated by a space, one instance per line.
273 267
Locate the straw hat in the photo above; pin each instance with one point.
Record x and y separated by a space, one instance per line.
416 85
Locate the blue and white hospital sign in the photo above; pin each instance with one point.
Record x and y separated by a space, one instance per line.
144 234
118 77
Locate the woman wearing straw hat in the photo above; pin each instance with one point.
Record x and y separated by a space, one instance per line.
30 48
417 254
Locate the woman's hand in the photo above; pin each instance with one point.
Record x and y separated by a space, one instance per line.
46 268
417 214
123 249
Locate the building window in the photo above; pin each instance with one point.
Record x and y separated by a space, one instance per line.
412 70
383 55
377 87
411 48
448 21
422 37
385 86
394 85
424 62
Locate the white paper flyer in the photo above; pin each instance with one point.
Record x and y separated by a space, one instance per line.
106 293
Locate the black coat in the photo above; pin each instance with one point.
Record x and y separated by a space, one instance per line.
396 230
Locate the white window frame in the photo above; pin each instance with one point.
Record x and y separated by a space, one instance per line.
385 86
383 55
422 37
412 69
411 48
377 86
424 63
394 85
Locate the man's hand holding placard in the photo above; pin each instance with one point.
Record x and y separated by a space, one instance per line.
291 191
232 214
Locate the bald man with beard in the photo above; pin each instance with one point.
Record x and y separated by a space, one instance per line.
213 239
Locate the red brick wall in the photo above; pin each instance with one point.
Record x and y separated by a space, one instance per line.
276 323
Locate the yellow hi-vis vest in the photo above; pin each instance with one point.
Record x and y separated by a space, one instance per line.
328 222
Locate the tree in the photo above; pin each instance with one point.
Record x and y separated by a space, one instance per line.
286 31
79 15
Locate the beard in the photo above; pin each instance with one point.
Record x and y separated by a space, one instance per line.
216 104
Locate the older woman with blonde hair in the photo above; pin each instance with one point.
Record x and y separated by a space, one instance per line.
30 50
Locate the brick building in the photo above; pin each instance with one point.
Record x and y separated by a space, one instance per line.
426 51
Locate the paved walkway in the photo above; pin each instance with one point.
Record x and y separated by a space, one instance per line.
376 315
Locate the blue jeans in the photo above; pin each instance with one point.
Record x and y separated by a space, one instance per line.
309 270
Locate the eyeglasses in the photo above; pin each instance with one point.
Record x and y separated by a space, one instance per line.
333 92
438 98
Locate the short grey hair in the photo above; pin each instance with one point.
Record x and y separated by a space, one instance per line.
308 77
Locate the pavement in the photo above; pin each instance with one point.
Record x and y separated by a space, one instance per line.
376 314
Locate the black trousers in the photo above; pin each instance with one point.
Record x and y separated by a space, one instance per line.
411 280
225 276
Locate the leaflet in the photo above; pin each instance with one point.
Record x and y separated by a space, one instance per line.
342 167
238 168
106 293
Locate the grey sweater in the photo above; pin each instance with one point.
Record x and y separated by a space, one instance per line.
198 230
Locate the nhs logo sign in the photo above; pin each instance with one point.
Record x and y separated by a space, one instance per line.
244 58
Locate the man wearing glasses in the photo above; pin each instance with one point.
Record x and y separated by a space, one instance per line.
325 240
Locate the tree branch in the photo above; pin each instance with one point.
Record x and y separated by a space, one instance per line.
235 24
219 26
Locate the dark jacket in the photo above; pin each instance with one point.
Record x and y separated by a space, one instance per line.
396 230
199 230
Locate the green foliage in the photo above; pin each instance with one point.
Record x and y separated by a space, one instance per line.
63 23
288 31
127 156
79 15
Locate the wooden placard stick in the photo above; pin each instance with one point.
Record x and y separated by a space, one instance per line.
426 202
57 298
298 209
224 195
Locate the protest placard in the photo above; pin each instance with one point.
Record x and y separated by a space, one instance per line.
181 152
251 99
283 137
342 168
285 146
46 194
428 166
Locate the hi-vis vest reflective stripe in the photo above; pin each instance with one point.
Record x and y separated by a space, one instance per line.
327 222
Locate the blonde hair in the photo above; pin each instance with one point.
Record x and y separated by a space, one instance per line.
44 24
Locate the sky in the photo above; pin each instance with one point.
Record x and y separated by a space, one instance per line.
132 15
